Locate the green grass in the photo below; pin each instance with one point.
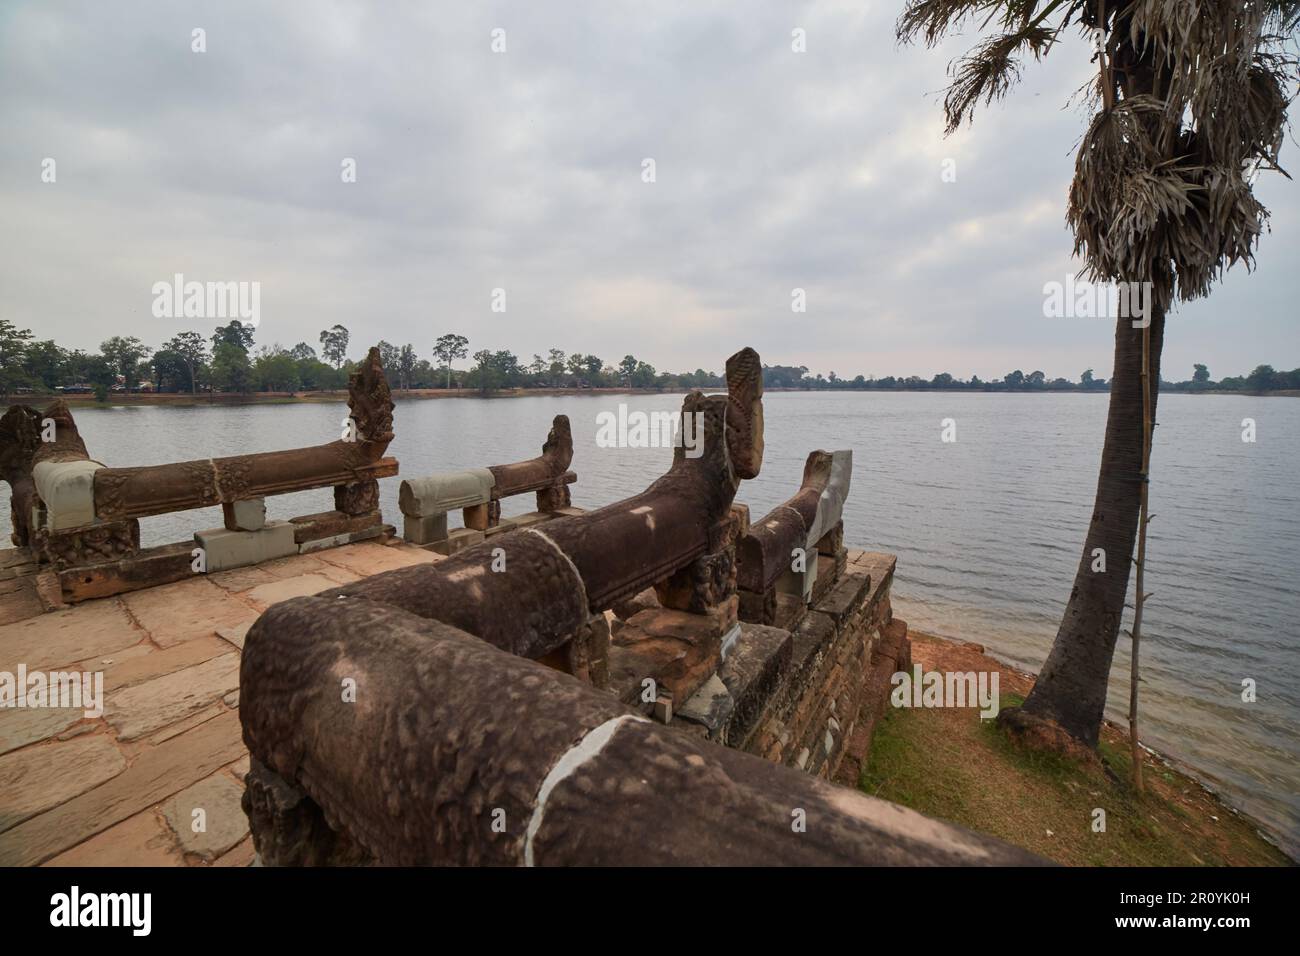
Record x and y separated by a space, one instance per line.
952 765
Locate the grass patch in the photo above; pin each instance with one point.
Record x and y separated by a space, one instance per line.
950 764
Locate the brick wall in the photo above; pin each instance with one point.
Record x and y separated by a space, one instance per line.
809 696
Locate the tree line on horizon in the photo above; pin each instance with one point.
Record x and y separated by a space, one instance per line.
227 361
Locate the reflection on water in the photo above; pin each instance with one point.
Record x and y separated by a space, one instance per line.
987 529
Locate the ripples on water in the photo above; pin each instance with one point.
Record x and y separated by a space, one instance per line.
987 530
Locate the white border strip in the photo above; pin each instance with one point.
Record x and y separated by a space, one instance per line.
577 576
592 743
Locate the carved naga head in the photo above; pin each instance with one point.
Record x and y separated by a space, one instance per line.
19 438
745 413
558 449
730 427
371 403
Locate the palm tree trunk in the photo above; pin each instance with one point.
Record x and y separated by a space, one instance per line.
1070 692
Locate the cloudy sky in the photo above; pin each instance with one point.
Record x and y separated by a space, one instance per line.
523 170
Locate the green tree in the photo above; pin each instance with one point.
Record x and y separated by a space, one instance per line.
1262 379
495 370
555 367
449 348
1200 375
235 333
1189 101
276 371
170 371
13 346
125 354
334 345
231 370
643 376
101 375
406 362
389 354
193 352
46 363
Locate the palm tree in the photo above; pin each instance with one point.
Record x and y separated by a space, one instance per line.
1190 99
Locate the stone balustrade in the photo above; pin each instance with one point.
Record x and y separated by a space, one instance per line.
420 716
783 555
81 518
478 493
381 737
542 592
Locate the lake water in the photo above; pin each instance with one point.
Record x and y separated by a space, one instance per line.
987 529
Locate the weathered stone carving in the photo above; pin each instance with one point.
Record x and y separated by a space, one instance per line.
558 575
451 750
545 474
478 492
159 489
457 753
23 449
102 541
75 512
19 439
780 553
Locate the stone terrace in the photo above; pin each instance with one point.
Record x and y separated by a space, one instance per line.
121 789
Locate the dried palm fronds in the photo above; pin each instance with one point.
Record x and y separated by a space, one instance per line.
1192 105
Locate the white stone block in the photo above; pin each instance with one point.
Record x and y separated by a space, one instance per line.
830 507
225 549
67 489
250 514
447 491
425 530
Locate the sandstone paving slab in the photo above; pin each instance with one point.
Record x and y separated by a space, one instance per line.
207 818
184 610
141 840
20 601
241 855
339 575
235 634
241 579
149 706
93 629
122 670
38 778
20 726
154 774
172 730
305 584
369 557
292 566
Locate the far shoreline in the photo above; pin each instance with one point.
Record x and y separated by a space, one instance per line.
189 400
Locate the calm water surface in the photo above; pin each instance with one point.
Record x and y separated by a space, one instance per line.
987 529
